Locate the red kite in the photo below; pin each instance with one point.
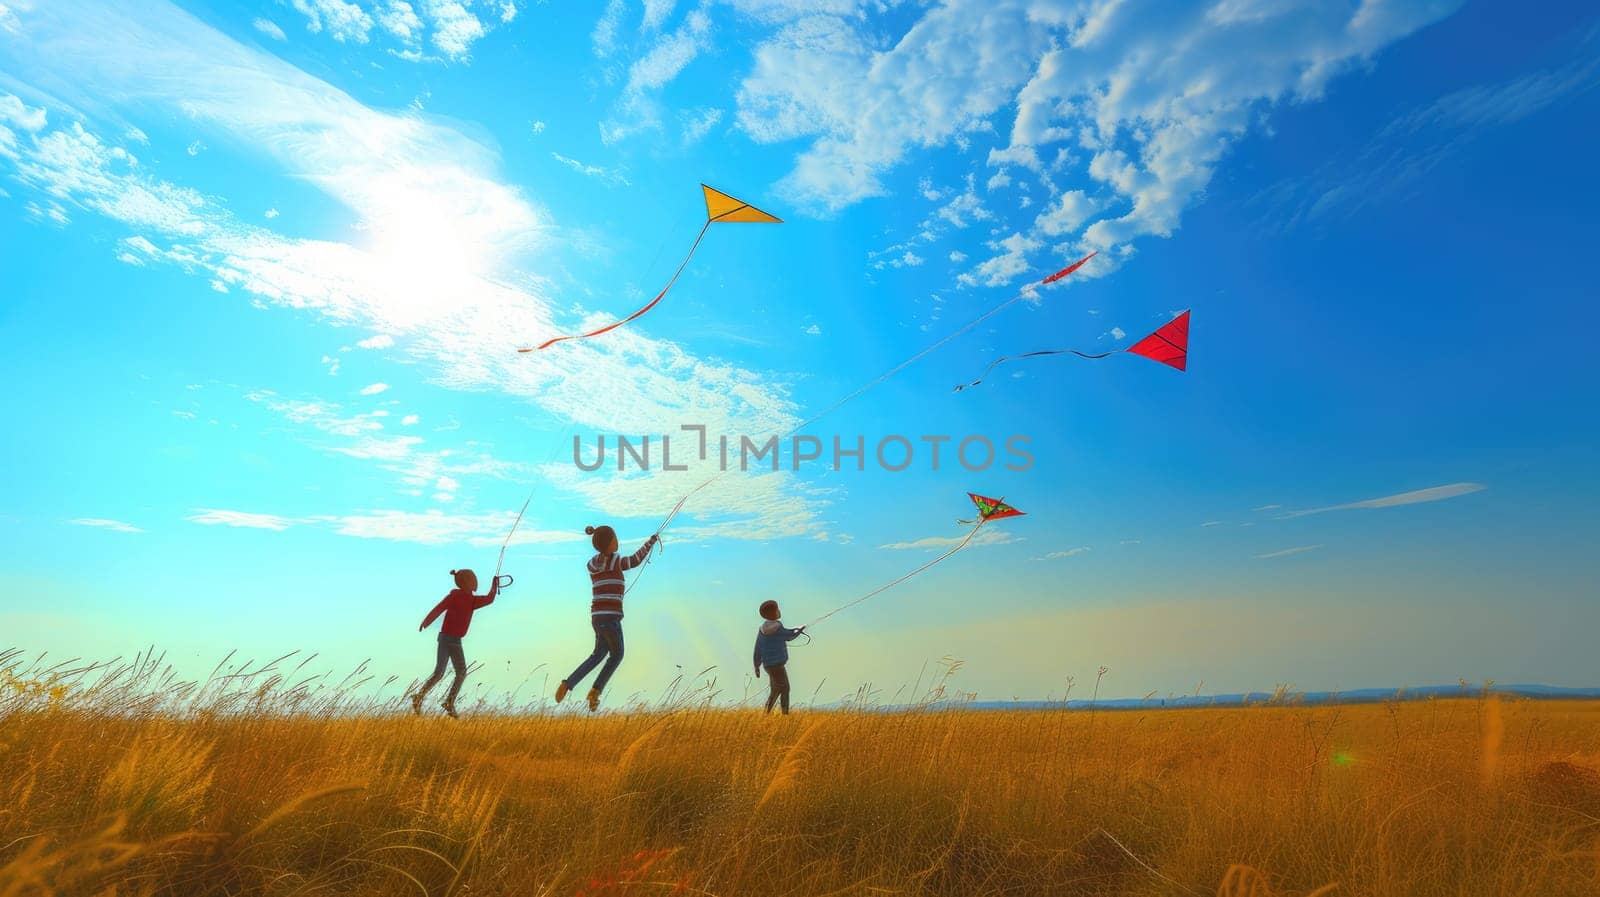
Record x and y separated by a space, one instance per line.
991 508
720 207
1168 345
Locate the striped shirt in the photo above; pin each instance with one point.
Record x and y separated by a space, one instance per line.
605 576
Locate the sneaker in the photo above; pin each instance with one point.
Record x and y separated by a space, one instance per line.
561 690
416 704
594 700
449 710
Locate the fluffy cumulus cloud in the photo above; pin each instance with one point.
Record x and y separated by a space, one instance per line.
639 108
1120 110
419 30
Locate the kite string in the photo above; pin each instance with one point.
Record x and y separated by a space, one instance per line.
500 562
884 588
945 340
657 535
1022 294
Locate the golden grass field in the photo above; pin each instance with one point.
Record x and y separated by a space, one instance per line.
139 785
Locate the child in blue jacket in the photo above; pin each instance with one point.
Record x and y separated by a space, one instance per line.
772 652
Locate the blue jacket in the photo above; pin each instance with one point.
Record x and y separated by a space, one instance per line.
772 643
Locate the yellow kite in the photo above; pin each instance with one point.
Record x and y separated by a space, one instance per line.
719 207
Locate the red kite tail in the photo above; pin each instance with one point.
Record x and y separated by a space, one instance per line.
651 304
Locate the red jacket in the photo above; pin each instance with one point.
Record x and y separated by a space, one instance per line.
457 608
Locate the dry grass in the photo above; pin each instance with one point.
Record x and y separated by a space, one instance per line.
122 781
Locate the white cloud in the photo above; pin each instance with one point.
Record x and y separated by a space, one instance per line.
400 19
1066 213
1059 555
537 127
986 537
957 256
343 21
104 523
1267 508
1005 267
270 214
455 28
1301 549
656 13
438 528
638 109
1211 523
410 420
1153 94
450 25
605 175
1116 333
814 330
426 528
1432 493
374 388
825 77
242 519
378 341
697 123
435 220
1416 142
270 29
965 209
604 36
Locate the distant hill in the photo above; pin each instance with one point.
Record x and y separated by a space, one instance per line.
1356 696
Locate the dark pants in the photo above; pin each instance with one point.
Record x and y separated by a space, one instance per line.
607 647
778 680
449 652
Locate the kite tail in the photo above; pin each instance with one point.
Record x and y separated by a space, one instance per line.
651 304
999 361
884 588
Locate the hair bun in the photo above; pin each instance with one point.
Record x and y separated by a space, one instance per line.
588 531
452 572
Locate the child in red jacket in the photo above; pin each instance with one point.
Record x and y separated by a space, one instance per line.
457 608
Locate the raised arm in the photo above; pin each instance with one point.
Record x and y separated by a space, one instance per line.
483 600
790 635
434 614
637 558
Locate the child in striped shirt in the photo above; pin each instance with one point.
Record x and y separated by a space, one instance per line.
605 610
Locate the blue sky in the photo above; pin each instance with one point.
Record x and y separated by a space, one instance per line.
265 267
